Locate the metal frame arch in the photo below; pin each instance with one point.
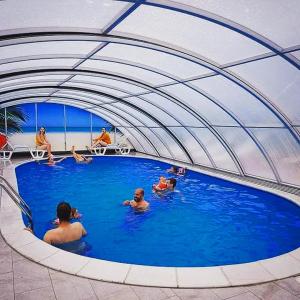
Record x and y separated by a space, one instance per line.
129 104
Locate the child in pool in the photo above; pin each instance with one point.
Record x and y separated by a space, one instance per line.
74 215
162 185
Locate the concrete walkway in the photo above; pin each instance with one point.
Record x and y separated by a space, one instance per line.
21 278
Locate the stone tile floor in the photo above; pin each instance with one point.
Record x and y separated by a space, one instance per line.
21 278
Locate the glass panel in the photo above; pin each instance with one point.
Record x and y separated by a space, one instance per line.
94 87
54 13
51 116
284 152
179 113
36 84
132 72
74 103
177 151
201 105
85 96
220 45
265 17
193 147
48 48
252 160
158 144
242 104
108 116
126 87
132 139
128 115
33 79
278 80
296 54
157 113
154 59
39 63
217 151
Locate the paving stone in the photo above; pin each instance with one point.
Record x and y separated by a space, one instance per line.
225 293
169 292
201 294
71 287
246 296
16 256
271 291
6 286
5 260
148 293
290 284
45 293
30 276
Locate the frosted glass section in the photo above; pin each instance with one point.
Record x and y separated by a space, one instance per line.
284 152
158 144
154 111
48 48
170 64
140 116
217 151
36 84
147 147
17 102
193 147
39 63
109 117
127 71
200 104
85 96
242 104
132 139
249 155
97 88
220 45
58 14
177 112
278 80
69 102
176 150
33 79
128 116
276 20
296 54
126 87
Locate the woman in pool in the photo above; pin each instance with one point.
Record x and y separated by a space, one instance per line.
41 141
80 158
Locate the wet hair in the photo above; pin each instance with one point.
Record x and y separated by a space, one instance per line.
63 211
173 181
175 169
73 211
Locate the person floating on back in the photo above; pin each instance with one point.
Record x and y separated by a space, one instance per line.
80 158
66 231
138 202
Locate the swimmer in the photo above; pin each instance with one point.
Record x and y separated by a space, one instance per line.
171 182
162 185
80 158
52 162
181 171
138 201
173 170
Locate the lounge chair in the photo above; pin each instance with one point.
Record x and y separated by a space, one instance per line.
7 149
120 148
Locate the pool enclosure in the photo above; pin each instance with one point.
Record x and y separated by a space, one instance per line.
211 83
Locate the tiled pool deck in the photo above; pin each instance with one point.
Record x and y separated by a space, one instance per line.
22 278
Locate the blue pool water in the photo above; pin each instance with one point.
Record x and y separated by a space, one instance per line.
205 222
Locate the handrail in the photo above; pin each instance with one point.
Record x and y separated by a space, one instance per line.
17 199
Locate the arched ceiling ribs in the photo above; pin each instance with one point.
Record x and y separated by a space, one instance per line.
201 118
115 98
192 57
210 17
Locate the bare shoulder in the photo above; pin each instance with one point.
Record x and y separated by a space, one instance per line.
77 225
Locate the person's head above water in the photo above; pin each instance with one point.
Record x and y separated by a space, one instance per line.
63 211
139 195
173 182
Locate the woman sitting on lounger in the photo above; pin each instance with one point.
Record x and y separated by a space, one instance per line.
80 158
42 142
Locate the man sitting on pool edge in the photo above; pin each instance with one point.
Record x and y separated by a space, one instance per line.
138 203
66 231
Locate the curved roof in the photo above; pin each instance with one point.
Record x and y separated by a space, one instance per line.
213 83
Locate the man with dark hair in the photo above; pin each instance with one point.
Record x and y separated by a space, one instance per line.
66 231
138 203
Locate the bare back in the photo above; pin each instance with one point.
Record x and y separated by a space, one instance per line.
65 233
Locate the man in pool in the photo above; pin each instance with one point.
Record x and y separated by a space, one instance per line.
139 203
66 231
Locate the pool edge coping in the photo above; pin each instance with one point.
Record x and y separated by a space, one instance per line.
31 247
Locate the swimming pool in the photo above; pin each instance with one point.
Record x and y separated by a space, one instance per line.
205 222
